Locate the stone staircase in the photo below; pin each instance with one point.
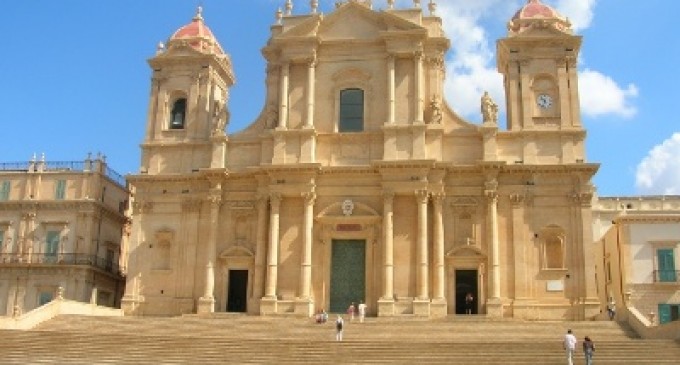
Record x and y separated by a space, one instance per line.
240 339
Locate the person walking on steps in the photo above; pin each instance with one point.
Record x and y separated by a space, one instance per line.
588 349
339 324
569 345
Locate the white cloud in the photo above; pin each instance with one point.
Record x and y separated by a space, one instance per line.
470 68
601 95
579 12
659 172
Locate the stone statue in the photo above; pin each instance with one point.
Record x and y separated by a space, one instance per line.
220 118
435 111
489 109
272 117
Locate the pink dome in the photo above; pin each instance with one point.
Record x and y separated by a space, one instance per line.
535 9
197 35
535 12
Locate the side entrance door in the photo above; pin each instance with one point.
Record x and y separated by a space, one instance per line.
237 292
348 274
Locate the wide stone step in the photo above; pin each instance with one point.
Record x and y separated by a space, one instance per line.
260 340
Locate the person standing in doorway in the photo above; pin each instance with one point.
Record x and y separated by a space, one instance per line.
339 324
362 311
569 345
588 349
469 302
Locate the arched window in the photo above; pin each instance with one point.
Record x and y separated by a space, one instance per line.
177 116
351 110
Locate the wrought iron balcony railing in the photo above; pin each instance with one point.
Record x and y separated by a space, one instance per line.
61 259
666 276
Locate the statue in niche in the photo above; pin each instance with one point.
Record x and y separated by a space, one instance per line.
435 111
271 117
220 118
489 109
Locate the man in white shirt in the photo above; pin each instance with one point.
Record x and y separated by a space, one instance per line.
569 346
362 311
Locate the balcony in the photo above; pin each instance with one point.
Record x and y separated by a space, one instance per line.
63 259
666 276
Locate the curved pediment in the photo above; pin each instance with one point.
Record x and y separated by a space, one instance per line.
348 208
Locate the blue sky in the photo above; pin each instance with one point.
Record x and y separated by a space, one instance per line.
75 78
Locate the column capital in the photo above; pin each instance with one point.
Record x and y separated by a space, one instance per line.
517 199
310 197
275 199
422 195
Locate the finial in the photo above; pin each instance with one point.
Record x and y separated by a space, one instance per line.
433 7
42 157
315 6
199 13
390 4
279 16
416 3
160 48
34 158
289 7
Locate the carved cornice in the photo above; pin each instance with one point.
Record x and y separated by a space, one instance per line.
142 207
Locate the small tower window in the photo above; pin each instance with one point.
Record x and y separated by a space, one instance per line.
178 114
351 110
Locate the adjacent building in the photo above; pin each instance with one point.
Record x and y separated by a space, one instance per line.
62 225
638 252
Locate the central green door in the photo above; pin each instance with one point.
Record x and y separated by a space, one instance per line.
348 274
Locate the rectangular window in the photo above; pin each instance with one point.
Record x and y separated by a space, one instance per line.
44 297
109 260
669 313
60 190
5 190
52 244
351 110
666 265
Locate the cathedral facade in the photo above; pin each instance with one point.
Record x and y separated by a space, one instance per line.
357 182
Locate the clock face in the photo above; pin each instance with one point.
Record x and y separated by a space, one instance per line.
544 101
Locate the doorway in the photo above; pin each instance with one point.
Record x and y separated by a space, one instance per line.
237 291
466 282
348 274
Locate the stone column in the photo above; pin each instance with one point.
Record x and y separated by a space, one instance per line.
268 303
564 94
494 305
572 73
311 72
260 250
527 97
439 296
283 96
386 302
421 302
391 69
586 294
513 87
522 304
305 305
206 304
418 100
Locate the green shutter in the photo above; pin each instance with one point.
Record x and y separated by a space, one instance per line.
666 260
52 244
44 298
664 313
5 189
351 110
60 192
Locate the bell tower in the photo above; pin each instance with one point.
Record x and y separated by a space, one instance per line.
188 110
538 62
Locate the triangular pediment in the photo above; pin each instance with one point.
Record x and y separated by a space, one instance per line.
358 22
